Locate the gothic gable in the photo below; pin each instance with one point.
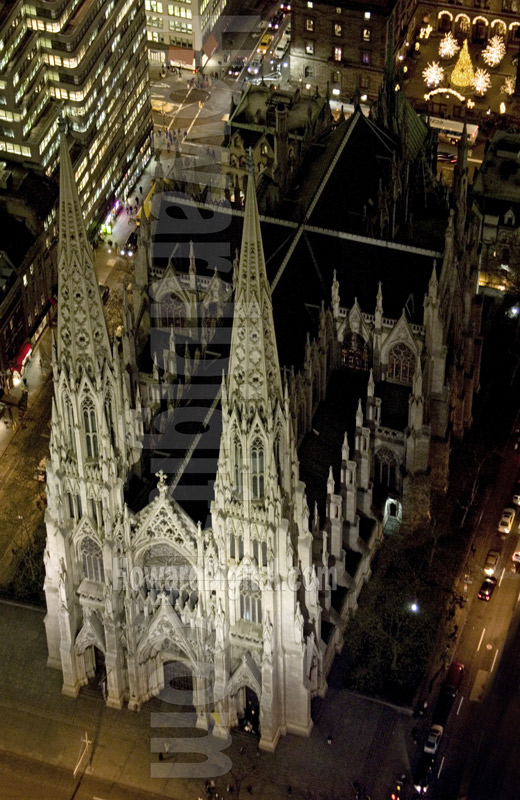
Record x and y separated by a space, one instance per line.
91 634
163 520
166 632
400 333
246 674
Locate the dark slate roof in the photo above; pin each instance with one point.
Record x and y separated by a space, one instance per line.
335 415
354 182
359 266
417 128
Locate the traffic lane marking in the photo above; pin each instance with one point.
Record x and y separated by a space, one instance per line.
440 768
481 637
502 575
494 660
460 705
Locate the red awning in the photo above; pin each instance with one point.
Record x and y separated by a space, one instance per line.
210 45
23 354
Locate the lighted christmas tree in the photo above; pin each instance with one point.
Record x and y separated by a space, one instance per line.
463 73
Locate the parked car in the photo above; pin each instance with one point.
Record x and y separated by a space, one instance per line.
453 679
516 554
236 67
285 7
487 589
506 521
443 707
516 491
449 158
132 243
433 740
423 774
492 559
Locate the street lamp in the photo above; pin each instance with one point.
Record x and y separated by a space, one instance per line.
414 607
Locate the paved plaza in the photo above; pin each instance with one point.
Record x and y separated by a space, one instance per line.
370 742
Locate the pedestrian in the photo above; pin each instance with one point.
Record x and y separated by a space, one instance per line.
140 189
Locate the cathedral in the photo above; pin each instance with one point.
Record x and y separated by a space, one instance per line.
221 476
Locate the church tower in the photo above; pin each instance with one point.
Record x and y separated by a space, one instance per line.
95 439
260 520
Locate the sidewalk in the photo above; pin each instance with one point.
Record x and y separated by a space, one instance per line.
22 448
370 741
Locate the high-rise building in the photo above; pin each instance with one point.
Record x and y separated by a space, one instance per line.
88 59
179 32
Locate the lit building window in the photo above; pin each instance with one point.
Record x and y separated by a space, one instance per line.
309 24
337 29
338 53
365 58
367 14
367 34
309 48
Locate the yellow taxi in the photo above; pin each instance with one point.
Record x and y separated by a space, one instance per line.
265 42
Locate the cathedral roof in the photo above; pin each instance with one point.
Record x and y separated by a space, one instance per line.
321 447
82 330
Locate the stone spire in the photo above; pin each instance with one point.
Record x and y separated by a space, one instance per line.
82 330
254 371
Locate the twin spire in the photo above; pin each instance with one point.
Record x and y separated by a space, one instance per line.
82 329
254 370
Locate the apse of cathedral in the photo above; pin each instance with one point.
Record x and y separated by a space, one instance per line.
281 400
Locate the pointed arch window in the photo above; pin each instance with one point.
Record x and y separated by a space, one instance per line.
109 413
69 422
255 550
90 427
385 469
264 554
401 364
237 466
250 601
240 548
232 546
257 469
92 559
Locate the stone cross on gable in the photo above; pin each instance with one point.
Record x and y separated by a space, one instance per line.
161 485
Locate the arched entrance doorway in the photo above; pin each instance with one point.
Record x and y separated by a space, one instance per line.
178 685
96 672
248 710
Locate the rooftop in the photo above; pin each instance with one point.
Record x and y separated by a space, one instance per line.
499 175
257 108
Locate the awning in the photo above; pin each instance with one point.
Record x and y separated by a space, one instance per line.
23 354
182 55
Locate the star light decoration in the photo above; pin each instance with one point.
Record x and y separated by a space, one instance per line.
448 46
481 82
433 73
494 52
508 87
